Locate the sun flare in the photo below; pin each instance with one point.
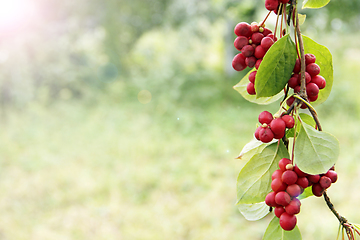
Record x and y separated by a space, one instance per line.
15 12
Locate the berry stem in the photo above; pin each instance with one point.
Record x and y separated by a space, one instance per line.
263 22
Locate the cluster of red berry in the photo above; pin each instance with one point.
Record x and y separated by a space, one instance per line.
314 81
272 127
287 184
273 5
253 41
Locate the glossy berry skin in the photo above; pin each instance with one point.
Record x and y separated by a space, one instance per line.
289 121
257 64
290 101
283 162
259 52
252 76
257 37
289 177
284 1
282 198
266 31
250 61
294 190
267 42
314 98
240 42
257 131
309 58
307 78
276 174
319 81
287 221
278 126
332 175
314 178
266 135
293 82
254 27
313 69
271 5
277 185
312 89
317 190
238 62
293 207
243 29
278 211
303 182
297 66
250 88
265 117
248 50
299 172
270 200
325 182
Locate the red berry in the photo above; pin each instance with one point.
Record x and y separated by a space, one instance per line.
302 182
294 190
289 177
312 89
238 62
250 61
257 37
254 27
297 66
257 64
283 162
319 81
243 29
259 52
307 78
332 175
248 50
277 185
267 42
289 121
282 198
270 199
240 42
290 101
265 117
257 131
252 76
293 82
299 172
278 126
325 182
297 89
271 5
276 174
266 135
309 58
313 69
250 88
293 207
279 136
287 221
317 190
314 178
284 1
278 211
266 32
314 98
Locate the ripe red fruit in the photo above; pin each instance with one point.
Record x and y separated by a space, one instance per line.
257 64
266 32
277 174
312 89
297 66
278 211
270 199
278 126
309 58
294 190
302 182
282 198
284 1
240 42
277 185
250 88
248 50
243 29
293 207
317 190
332 175
319 81
314 178
252 76
289 121
325 182
254 27
287 221
299 172
257 37
265 117
271 4
290 101
267 42
307 78
250 61
293 82
314 98
297 89
238 62
259 52
257 131
283 162
266 135
313 69
289 177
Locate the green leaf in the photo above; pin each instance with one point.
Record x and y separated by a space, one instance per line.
275 232
253 183
324 60
251 148
302 18
314 3
254 212
276 68
305 118
315 152
241 88
307 193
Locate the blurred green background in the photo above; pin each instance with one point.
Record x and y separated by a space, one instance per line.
118 119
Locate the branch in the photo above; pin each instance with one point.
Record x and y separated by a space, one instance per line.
302 59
